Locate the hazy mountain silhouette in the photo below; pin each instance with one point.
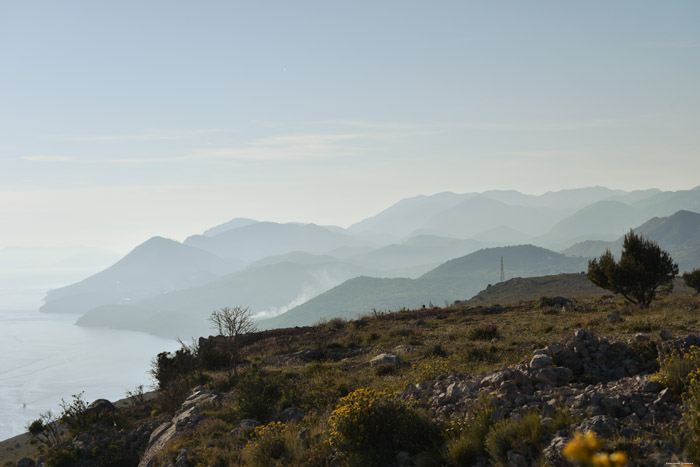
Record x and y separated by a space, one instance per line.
459 278
156 266
163 278
602 220
415 256
262 239
268 289
679 234
608 220
230 225
562 200
408 215
479 213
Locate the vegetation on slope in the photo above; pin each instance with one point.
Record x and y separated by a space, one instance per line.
319 370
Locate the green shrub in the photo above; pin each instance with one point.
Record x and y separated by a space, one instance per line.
45 430
258 393
484 332
61 458
370 427
523 436
692 280
337 324
469 444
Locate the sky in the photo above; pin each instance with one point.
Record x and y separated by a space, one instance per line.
120 120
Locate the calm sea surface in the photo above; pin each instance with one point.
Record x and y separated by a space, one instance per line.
45 358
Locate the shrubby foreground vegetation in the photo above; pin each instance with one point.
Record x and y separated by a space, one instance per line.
346 411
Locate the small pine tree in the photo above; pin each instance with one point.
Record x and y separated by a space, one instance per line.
644 270
692 280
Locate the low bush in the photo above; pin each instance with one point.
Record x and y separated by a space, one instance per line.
523 436
266 445
471 435
677 367
484 332
258 393
691 416
370 427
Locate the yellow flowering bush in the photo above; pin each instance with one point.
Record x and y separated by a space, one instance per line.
429 368
587 451
676 368
266 443
691 416
373 426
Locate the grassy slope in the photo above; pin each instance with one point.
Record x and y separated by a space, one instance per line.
317 385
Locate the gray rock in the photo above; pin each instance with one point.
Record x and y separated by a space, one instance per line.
26 462
540 361
553 376
613 318
404 459
664 396
517 460
581 335
290 414
552 453
181 459
453 391
101 407
186 418
385 358
652 386
642 337
602 425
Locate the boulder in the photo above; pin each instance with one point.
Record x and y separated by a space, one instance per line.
185 419
540 361
290 414
385 358
602 425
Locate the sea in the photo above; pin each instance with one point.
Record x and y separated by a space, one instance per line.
46 358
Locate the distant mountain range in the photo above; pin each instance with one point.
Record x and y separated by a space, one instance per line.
456 279
679 234
427 248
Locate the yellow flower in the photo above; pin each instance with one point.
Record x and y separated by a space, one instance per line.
575 450
618 458
591 441
601 460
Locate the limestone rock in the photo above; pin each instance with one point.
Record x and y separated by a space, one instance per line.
384 358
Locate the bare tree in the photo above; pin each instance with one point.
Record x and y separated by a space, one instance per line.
232 323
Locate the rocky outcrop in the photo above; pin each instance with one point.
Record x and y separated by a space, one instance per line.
185 419
603 384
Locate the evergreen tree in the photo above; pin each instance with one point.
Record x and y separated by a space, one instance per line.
643 270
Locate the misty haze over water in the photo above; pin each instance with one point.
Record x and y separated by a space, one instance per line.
46 358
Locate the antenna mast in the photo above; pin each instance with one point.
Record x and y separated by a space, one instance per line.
503 273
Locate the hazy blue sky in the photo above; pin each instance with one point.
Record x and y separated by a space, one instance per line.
126 119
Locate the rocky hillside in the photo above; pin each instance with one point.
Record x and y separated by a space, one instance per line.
464 385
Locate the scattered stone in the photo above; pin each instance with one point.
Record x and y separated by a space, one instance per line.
101 407
602 425
185 419
385 358
642 337
665 334
540 361
290 414
652 386
26 462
